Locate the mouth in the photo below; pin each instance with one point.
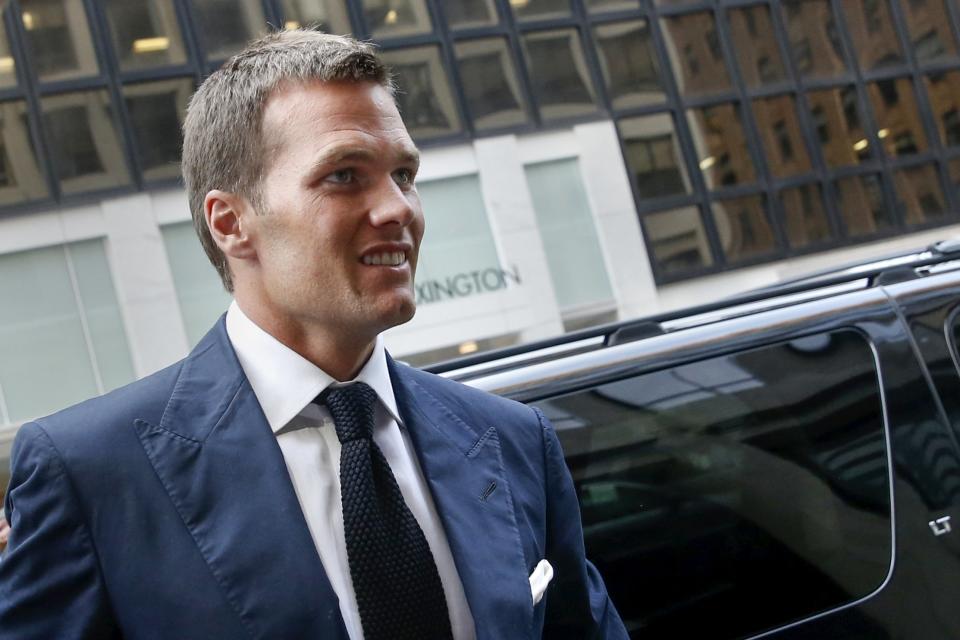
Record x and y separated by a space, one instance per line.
385 258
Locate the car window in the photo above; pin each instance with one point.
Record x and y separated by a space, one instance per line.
736 494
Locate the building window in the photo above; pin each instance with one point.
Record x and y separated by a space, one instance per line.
677 241
558 72
569 237
424 99
64 339
652 155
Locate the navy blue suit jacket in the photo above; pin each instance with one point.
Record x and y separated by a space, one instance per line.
164 510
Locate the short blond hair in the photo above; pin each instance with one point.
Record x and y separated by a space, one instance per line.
223 146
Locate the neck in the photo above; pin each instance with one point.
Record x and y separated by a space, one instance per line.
339 352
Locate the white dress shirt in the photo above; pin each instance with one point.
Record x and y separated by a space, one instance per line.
286 384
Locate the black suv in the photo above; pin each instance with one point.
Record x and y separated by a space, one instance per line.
783 465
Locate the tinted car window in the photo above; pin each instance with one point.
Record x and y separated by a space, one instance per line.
736 494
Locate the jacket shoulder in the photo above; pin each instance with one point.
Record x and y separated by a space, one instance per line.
91 419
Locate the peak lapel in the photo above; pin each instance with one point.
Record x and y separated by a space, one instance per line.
220 463
464 469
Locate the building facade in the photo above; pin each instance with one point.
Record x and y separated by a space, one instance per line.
583 161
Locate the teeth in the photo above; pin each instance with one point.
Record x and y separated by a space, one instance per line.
389 258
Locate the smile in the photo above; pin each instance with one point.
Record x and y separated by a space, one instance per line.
385 258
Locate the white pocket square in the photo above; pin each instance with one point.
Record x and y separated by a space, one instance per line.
539 580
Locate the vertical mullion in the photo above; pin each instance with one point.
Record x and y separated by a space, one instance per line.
755 144
924 108
681 129
807 129
870 128
448 56
515 46
28 81
99 31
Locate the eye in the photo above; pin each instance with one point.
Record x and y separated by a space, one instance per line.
342 176
403 177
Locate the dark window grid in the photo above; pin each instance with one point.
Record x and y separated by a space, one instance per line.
953 15
754 140
827 202
943 180
869 120
365 31
601 100
514 48
450 69
922 101
440 15
192 30
688 153
677 276
463 106
808 130
26 90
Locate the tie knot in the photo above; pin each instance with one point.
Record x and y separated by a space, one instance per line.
352 408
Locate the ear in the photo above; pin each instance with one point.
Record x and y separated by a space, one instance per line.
228 216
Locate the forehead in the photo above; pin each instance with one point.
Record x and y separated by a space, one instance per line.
300 114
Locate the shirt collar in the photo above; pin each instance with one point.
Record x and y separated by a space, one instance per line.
285 382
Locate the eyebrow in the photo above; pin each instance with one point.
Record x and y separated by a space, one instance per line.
340 155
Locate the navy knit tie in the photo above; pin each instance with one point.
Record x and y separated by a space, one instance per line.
399 594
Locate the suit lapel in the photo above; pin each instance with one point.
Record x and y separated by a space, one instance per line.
464 469
223 469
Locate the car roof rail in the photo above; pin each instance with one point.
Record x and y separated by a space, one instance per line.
884 271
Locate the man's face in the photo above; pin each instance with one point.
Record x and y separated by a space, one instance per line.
337 247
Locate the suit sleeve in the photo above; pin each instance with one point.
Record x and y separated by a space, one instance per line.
577 602
50 581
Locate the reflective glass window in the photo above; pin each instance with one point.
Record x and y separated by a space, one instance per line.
677 240
200 293
494 96
465 14
228 25
943 90
953 172
58 37
599 6
805 219
837 116
569 235
755 43
919 196
721 145
8 66
743 227
461 243
540 9
145 34
329 16
898 120
558 73
780 131
629 64
928 27
814 38
874 38
653 156
424 96
84 141
695 53
717 479
21 179
393 18
156 111
861 205
63 340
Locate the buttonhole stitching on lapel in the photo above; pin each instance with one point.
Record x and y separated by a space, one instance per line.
488 491
475 449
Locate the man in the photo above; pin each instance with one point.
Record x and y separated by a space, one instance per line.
288 479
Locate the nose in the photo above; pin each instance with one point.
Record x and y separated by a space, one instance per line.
393 205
